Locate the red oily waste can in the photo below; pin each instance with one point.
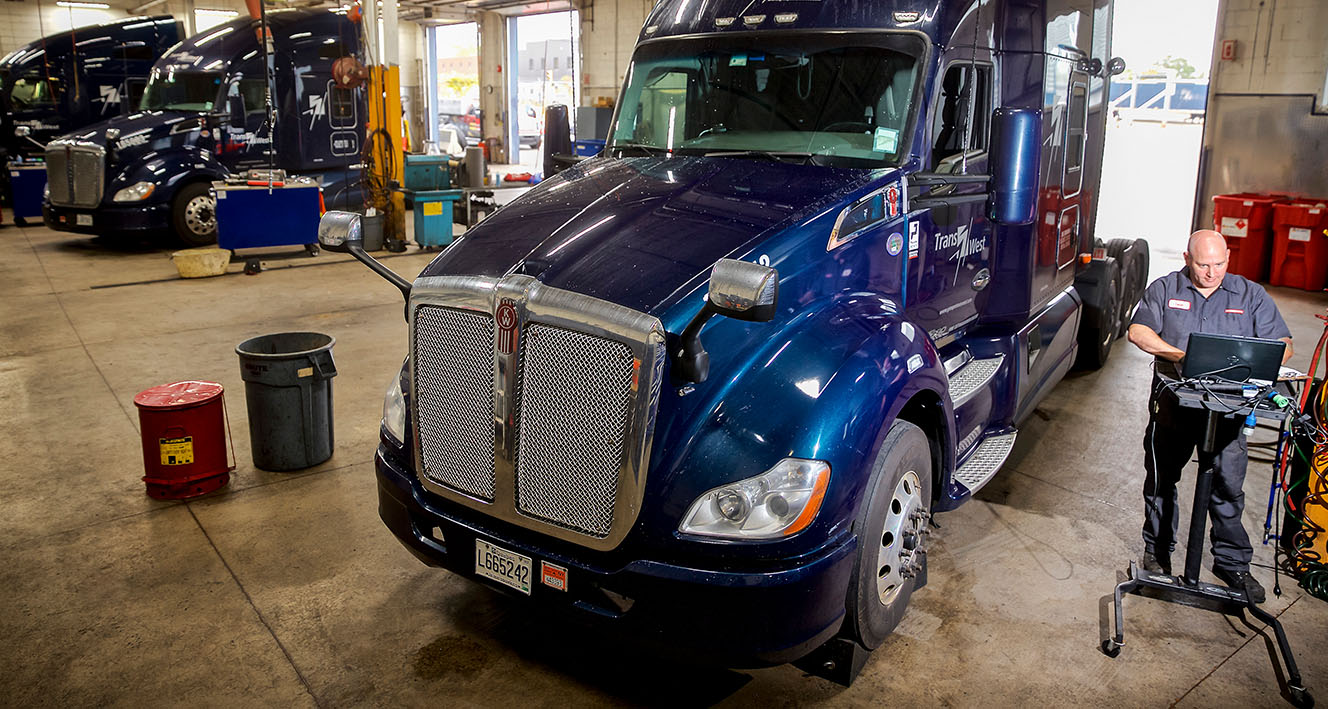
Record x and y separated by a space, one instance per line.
183 428
1300 245
1245 219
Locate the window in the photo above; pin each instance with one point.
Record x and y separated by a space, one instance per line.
254 92
342 111
965 96
31 92
1075 139
829 98
555 62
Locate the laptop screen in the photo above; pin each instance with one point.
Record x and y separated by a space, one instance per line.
1232 358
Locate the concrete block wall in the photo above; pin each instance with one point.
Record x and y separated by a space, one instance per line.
609 29
1281 47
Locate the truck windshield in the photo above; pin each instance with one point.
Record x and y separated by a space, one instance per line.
844 98
181 91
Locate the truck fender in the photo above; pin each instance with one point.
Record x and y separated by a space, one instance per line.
171 172
827 386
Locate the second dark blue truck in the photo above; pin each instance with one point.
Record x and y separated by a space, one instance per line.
203 118
710 387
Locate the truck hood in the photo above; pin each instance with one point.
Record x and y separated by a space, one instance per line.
140 133
639 231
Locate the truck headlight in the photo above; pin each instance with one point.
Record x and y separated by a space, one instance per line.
136 192
394 410
777 503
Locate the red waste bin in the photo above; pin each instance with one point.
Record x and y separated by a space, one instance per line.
183 426
1300 246
1245 219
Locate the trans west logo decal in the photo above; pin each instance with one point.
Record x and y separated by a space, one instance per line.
317 107
108 95
963 240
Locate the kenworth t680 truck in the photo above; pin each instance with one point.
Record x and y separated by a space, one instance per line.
710 386
202 118
72 79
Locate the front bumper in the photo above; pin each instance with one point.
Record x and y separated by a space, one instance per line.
724 618
107 220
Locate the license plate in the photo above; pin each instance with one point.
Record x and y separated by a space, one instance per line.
84 219
505 567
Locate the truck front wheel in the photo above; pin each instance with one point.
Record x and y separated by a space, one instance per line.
893 524
194 215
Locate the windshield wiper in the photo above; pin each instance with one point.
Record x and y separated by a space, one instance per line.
640 148
777 156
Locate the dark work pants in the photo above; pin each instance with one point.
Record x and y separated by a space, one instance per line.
1173 434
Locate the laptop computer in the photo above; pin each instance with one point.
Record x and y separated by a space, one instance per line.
1232 358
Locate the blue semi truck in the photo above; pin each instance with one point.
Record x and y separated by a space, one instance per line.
68 80
710 387
203 118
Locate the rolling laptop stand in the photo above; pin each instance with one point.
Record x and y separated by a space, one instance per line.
1188 589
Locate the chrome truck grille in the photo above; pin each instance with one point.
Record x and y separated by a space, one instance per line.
534 404
74 173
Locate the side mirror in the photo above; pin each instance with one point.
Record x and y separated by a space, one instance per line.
341 232
22 131
1016 155
739 290
1115 66
338 230
112 135
743 291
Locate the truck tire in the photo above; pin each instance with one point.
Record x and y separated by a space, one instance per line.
1132 255
892 527
194 215
1100 325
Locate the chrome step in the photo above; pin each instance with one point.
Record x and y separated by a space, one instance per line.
972 378
981 467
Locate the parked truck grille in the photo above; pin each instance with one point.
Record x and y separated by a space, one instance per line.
74 174
534 405
456 398
572 426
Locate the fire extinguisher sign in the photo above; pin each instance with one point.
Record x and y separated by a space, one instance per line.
177 451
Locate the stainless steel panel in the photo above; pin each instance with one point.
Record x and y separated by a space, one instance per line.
1264 143
75 173
593 390
576 396
454 398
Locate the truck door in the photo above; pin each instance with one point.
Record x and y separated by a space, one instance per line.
955 239
246 139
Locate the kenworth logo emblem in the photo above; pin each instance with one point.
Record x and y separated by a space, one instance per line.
507 330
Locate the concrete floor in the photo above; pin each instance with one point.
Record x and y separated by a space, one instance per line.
286 590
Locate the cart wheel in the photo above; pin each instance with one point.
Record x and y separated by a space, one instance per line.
253 267
1110 647
20 221
311 249
1301 697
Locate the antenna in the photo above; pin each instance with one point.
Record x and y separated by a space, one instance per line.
972 81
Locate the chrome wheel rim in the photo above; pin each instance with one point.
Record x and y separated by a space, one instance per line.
200 215
900 545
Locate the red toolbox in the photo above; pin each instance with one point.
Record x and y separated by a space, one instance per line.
1300 246
1245 219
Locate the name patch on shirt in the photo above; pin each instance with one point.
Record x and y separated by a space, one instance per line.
1235 311
1178 304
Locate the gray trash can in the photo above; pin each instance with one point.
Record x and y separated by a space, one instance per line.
288 389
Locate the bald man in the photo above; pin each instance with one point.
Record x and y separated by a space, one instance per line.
1202 297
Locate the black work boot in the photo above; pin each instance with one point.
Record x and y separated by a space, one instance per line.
1241 581
1153 565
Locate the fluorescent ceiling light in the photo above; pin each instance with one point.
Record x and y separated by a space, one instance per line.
218 13
84 5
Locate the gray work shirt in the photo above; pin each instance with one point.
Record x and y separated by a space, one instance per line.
1173 307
